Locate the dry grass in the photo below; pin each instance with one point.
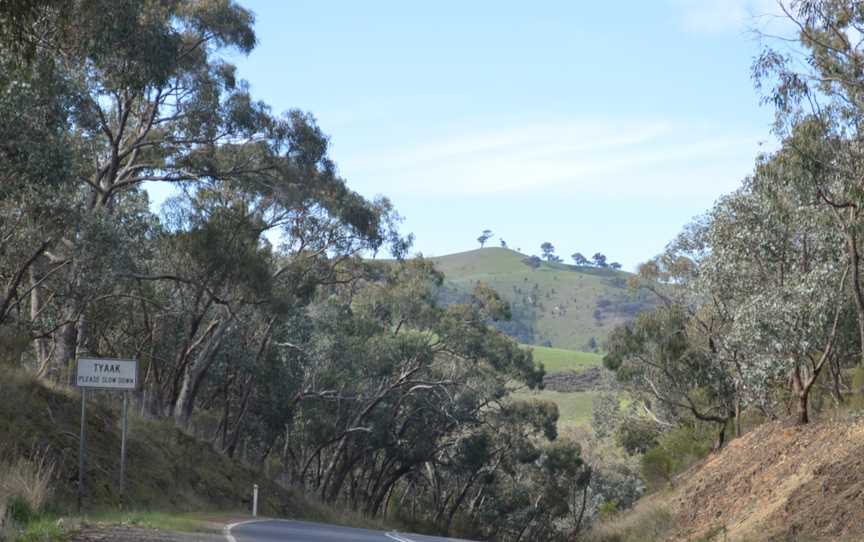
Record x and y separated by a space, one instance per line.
27 478
645 523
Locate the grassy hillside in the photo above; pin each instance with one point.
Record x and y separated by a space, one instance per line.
574 408
557 305
556 360
167 470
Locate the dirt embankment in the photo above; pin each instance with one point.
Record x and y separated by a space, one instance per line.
776 483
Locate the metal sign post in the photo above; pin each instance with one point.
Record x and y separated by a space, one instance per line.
104 374
125 425
82 448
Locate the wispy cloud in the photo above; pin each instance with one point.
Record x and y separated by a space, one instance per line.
607 159
717 16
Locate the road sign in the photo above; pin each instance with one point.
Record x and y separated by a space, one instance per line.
107 374
104 374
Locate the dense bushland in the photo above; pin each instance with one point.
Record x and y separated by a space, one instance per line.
249 300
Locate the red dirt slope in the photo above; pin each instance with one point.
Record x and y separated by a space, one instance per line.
776 483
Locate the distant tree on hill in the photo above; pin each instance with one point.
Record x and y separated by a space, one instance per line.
503 243
485 236
554 258
615 265
548 250
600 260
579 259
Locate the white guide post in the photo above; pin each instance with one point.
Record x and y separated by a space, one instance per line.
255 501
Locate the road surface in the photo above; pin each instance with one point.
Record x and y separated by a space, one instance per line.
301 531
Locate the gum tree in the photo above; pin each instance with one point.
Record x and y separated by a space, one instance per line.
777 268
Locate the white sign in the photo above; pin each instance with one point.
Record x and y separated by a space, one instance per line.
109 374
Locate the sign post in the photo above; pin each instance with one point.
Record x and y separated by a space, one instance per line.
82 449
104 374
125 425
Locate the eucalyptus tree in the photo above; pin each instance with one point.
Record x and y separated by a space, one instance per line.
818 91
579 259
397 395
664 357
150 99
38 161
673 357
780 268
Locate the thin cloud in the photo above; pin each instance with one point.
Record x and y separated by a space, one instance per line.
651 159
718 16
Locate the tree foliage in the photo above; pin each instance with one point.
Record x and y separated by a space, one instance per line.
259 322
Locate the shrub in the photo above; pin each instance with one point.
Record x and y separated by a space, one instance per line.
644 524
657 467
19 511
637 435
675 451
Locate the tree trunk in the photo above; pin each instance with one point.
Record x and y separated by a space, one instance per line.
801 392
231 446
737 416
194 376
855 264
64 352
721 438
40 346
802 418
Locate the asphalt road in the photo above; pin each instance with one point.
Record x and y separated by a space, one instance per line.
301 531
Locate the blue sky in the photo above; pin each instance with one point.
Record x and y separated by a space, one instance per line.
597 126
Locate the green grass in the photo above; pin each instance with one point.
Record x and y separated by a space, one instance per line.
557 300
574 408
152 520
557 360
42 530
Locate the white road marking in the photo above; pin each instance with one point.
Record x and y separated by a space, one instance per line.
393 535
227 530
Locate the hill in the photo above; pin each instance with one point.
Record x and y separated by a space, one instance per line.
774 483
554 304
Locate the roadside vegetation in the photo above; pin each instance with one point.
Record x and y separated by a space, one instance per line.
265 335
274 350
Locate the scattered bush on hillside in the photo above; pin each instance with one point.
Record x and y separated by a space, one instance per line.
644 525
675 452
637 435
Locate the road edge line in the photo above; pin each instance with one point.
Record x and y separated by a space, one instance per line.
227 529
393 535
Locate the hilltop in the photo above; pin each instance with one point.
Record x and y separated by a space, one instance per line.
554 304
